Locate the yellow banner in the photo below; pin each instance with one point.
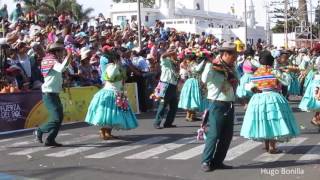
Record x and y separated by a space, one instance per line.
75 103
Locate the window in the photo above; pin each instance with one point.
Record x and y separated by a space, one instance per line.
121 18
180 22
169 22
146 18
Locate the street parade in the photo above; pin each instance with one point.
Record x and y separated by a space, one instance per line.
187 102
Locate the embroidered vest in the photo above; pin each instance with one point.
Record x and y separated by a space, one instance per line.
265 80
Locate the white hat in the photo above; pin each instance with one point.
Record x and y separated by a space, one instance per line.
84 53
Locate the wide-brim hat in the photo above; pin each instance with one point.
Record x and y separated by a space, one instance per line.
56 46
172 48
287 52
228 46
107 48
303 50
84 53
92 38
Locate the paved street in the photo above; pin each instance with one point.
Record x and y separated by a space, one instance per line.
146 153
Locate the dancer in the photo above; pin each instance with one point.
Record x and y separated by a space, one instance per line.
109 107
248 69
191 95
52 67
221 80
269 117
167 87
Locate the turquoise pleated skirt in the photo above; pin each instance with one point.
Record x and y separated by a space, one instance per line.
294 85
269 117
241 92
103 111
308 80
190 95
308 102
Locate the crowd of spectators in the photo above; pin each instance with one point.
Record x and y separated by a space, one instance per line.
25 39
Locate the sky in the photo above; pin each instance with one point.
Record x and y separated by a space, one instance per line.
215 5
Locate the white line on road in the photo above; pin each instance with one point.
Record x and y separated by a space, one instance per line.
161 149
188 154
191 153
312 154
24 137
125 148
38 149
23 143
77 150
241 149
266 157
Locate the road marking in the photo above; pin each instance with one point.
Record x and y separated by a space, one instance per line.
162 149
77 150
13 139
267 157
241 149
191 153
312 154
38 149
24 137
188 154
23 143
125 148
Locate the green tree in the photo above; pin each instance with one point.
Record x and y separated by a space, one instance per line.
280 20
55 7
81 14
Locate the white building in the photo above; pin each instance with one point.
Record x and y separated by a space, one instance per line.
191 16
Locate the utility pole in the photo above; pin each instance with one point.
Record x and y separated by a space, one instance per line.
311 36
267 24
245 23
318 21
139 24
286 23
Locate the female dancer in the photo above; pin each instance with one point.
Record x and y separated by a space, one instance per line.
109 107
191 95
248 69
310 100
269 117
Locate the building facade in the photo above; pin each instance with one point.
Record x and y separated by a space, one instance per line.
192 16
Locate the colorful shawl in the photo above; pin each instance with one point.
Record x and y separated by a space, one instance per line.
47 64
265 80
229 71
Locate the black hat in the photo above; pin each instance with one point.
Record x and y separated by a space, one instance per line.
285 52
249 52
266 58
